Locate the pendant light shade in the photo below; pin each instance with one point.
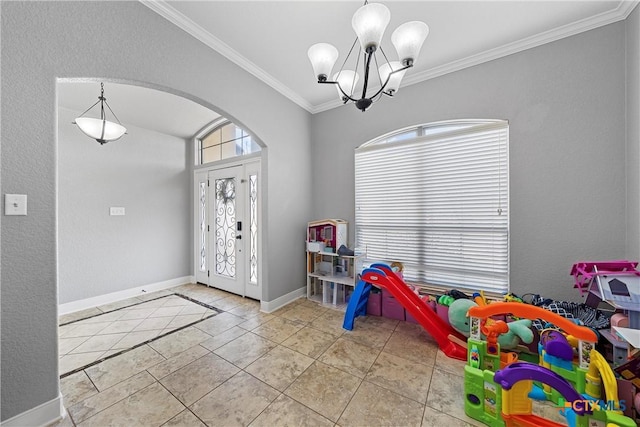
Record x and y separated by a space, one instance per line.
408 39
322 57
385 70
102 130
369 23
347 81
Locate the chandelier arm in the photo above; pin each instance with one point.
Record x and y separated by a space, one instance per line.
366 74
349 98
87 110
114 114
389 78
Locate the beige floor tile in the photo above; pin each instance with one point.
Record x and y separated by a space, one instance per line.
104 317
223 338
379 321
134 338
137 313
237 402
329 322
220 323
65 421
446 394
376 406
368 334
351 357
278 329
121 326
179 341
244 350
324 389
92 405
119 368
84 330
119 304
77 315
198 378
183 320
246 311
66 345
176 301
153 323
151 406
164 311
256 321
445 363
70 362
98 342
192 308
184 419
75 388
176 362
301 313
309 341
413 347
227 304
286 412
401 376
153 295
280 367
432 417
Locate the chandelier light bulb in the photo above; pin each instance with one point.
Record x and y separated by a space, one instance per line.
322 56
369 23
394 81
101 130
347 81
408 39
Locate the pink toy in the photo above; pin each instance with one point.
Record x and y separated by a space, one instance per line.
584 271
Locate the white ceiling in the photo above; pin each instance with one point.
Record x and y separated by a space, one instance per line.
270 40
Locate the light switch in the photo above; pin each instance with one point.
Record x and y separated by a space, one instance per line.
15 204
116 211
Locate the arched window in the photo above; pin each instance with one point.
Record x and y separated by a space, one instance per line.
225 140
435 197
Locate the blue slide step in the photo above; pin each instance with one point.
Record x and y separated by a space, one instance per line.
357 304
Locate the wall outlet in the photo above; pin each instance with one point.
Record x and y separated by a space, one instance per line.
116 211
15 204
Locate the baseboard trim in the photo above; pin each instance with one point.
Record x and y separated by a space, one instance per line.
83 304
42 415
271 306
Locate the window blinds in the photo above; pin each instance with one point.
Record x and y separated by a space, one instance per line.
439 205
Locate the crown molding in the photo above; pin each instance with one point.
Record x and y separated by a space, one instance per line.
163 9
625 7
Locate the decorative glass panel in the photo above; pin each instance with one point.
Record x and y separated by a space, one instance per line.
253 228
203 226
226 227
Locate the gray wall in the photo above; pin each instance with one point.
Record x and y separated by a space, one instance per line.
565 102
123 41
147 173
633 134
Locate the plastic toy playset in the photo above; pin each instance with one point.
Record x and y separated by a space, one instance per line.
498 387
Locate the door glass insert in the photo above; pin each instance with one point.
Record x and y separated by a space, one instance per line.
203 225
226 227
253 229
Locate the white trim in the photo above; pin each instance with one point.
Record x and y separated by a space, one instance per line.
271 306
42 415
165 10
83 304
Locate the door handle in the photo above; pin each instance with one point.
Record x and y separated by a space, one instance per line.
239 236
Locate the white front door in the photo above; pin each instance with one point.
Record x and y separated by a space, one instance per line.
226 223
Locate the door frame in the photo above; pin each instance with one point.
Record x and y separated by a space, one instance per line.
250 164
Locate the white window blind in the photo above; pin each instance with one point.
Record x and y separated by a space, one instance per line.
438 203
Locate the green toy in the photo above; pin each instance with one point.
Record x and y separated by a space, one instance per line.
519 330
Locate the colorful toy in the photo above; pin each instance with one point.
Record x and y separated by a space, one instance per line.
584 271
500 397
380 275
518 331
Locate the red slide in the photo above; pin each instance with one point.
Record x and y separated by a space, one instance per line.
529 421
383 277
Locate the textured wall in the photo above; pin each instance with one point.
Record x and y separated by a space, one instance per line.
565 102
633 134
127 42
147 173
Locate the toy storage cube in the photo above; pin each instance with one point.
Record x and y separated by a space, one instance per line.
409 318
391 308
374 304
443 312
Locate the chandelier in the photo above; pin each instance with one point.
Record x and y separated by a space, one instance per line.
369 23
102 130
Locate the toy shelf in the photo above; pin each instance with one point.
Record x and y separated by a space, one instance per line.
331 277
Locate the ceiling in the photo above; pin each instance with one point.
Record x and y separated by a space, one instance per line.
270 39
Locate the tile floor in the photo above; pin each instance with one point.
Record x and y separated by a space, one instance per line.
294 367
